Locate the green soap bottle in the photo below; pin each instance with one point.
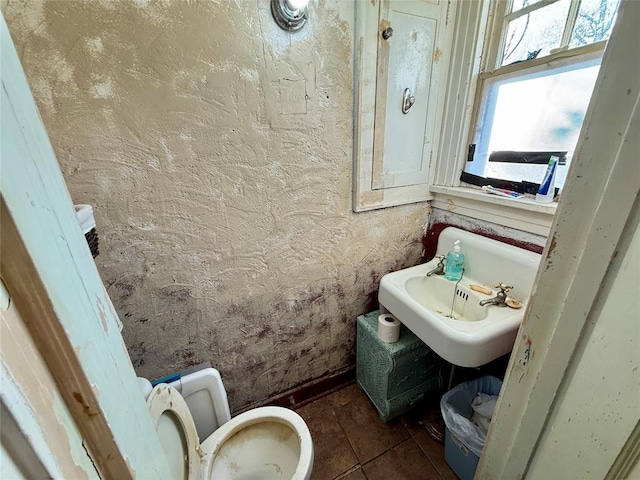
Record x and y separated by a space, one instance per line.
455 263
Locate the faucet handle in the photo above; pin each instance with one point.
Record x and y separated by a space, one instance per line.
503 287
440 258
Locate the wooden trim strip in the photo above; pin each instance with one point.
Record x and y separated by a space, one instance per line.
569 25
307 392
574 55
628 457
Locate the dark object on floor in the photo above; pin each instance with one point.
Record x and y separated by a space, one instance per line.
434 425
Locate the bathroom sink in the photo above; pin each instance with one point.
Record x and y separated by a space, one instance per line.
448 316
443 297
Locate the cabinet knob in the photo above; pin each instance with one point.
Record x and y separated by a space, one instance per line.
387 33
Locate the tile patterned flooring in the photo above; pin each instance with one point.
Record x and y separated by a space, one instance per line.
352 442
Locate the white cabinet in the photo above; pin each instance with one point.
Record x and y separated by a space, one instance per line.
402 53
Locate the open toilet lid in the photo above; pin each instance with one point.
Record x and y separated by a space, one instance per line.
176 431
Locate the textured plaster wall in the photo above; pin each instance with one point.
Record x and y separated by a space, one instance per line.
217 152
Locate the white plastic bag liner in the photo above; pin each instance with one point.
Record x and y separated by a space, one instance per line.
483 406
457 411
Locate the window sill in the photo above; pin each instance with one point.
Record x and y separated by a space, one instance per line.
523 214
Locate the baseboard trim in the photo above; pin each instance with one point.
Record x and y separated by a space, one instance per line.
307 392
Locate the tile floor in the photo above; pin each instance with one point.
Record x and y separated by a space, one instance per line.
352 442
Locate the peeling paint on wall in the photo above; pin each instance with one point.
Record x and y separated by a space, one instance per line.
49 418
225 226
440 219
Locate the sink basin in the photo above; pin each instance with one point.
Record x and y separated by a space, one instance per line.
448 316
445 298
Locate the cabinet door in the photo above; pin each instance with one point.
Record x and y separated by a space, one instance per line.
408 70
394 148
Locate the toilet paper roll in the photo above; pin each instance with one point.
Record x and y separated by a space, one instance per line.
388 328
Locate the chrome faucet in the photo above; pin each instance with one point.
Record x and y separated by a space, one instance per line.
439 270
501 297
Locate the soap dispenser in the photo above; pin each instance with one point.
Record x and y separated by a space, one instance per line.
455 263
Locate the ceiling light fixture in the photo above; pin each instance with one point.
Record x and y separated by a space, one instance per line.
290 15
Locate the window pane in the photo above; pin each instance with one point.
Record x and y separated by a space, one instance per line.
533 112
594 23
520 4
539 30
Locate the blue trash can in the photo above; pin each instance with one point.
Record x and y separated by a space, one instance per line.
463 439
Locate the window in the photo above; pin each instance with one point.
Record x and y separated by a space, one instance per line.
540 70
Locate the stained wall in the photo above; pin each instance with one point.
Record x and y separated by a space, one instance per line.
440 219
216 150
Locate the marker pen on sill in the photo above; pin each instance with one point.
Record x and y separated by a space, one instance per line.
547 189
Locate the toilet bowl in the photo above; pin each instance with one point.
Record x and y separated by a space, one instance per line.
266 443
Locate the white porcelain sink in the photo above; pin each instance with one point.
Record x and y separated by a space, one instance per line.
439 295
449 318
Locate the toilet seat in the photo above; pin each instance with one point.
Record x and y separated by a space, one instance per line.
265 438
177 432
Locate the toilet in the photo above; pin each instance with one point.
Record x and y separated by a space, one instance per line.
266 443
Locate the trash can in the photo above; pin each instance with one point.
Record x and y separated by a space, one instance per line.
464 439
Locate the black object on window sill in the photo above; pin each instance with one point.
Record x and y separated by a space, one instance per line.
532 158
520 187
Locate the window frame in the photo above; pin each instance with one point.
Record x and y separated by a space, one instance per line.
478 46
563 58
496 48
